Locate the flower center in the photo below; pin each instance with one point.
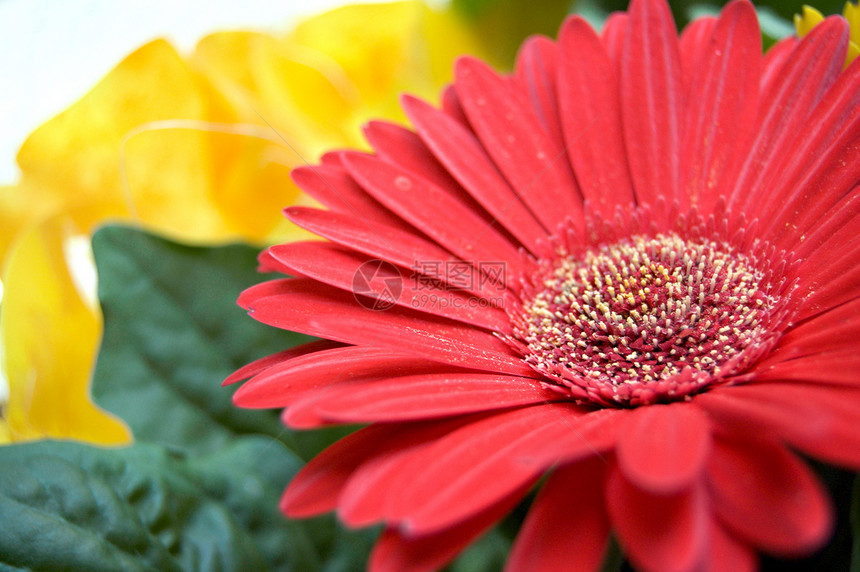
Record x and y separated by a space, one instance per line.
646 319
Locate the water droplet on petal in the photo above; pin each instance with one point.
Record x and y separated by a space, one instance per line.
403 183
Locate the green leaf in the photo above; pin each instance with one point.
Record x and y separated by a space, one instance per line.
345 549
70 506
613 560
173 332
487 554
595 12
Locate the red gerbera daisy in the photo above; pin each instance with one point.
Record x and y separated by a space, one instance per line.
630 266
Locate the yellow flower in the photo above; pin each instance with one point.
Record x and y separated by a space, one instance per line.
198 149
810 17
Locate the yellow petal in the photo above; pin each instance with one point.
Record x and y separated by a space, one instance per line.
853 52
811 17
385 49
319 84
351 64
74 157
197 185
50 337
5 437
112 155
271 83
13 214
852 14
251 184
806 20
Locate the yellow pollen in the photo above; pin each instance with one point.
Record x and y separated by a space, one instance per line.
642 311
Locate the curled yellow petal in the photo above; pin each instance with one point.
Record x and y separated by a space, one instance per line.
72 161
50 336
291 92
208 182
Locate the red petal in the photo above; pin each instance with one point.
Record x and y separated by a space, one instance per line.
831 165
807 75
344 268
830 416
662 448
519 146
331 159
442 217
834 330
426 396
567 527
452 108
837 367
370 490
591 118
380 241
396 552
332 186
282 384
722 104
373 491
475 466
613 36
663 533
830 278
768 497
693 46
652 100
727 553
774 60
266 264
404 148
262 364
263 290
309 307
462 154
316 487
832 231
536 74
404 250
764 406
591 434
